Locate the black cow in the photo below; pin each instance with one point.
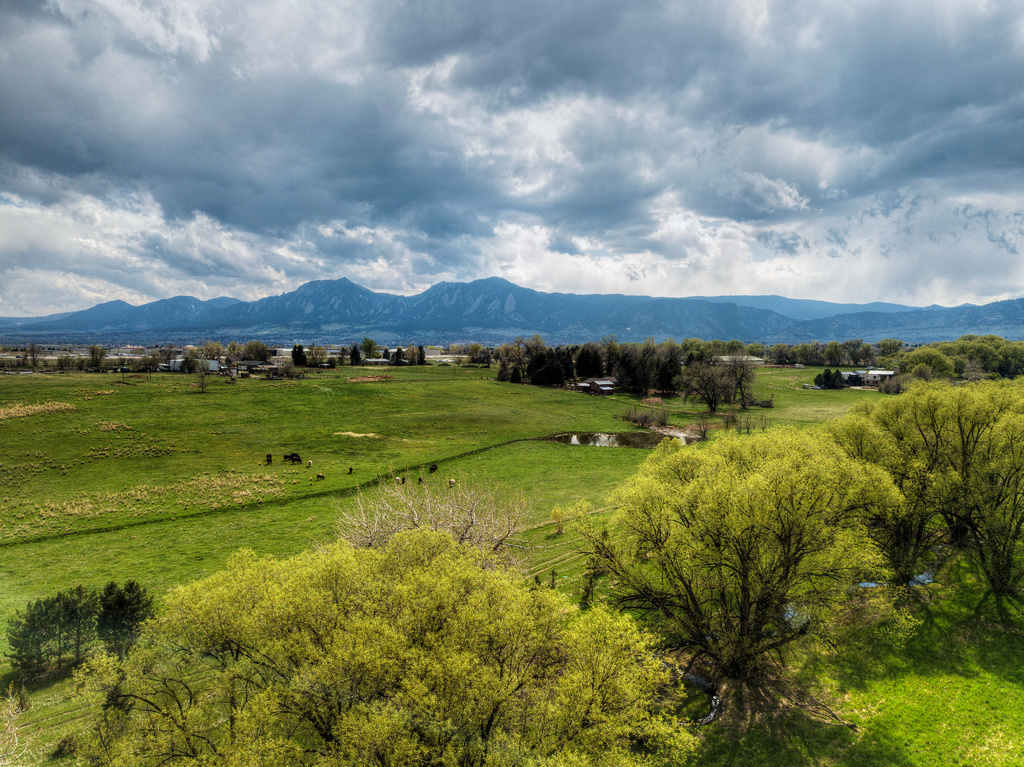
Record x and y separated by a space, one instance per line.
293 457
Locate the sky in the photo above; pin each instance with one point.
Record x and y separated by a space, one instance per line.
845 151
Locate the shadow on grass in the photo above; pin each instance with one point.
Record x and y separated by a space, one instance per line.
780 738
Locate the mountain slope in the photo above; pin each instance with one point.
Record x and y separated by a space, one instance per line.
495 310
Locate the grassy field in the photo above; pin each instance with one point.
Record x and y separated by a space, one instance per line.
148 478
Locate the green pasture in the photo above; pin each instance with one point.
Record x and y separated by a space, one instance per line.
150 479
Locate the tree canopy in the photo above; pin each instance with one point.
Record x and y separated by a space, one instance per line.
408 654
957 455
739 550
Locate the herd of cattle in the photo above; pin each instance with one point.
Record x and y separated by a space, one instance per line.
294 458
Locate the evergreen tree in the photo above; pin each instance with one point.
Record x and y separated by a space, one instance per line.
121 613
29 636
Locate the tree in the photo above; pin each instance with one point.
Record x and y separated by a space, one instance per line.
637 366
889 347
316 356
12 750
708 382
398 358
96 355
369 348
122 611
80 607
958 451
31 354
908 533
421 355
780 354
190 363
354 356
471 513
834 353
741 550
211 350
29 635
588 361
739 373
298 356
256 350
413 653
938 363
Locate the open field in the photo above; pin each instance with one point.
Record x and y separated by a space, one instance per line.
150 479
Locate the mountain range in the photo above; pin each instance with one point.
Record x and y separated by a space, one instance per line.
493 311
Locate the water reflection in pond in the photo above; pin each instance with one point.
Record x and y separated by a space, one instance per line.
641 439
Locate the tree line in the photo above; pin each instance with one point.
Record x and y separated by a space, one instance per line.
56 633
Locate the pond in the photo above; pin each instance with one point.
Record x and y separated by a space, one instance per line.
642 439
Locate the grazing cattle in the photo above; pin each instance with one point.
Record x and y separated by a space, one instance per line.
421 480
349 469
451 483
293 457
309 464
433 468
319 477
270 459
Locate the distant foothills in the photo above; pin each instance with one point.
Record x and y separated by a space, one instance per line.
493 311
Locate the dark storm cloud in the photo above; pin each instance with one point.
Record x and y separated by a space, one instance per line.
764 144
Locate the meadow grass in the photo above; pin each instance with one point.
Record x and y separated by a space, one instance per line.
150 479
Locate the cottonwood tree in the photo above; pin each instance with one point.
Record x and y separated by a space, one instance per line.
96 355
256 350
708 381
413 653
738 552
316 356
958 451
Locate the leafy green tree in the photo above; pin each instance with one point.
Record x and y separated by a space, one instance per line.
414 653
212 350
958 451
889 347
96 355
256 350
369 348
741 550
122 611
298 356
421 355
834 353
354 355
316 356
938 363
